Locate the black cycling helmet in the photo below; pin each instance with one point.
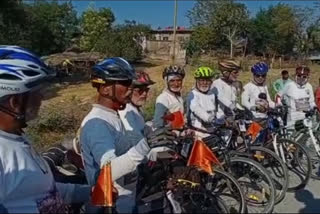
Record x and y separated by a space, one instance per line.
173 70
114 69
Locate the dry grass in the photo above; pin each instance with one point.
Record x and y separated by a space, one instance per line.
69 104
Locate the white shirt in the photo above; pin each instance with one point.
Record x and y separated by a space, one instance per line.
299 99
132 119
103 139
26 181
226 95
133 123
250 96
200 109
167 102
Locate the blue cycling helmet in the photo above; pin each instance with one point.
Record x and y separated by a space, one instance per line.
260 68
21 70
114 69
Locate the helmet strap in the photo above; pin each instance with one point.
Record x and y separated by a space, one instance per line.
116 103
21 117
227 79
258 84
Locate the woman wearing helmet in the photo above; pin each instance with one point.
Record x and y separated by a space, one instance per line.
131 116
256 95
223 88
298 95
170 99
27 183
201 105
102 136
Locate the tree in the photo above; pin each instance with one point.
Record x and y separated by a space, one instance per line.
13 27
218 22
94 24
231 20
125 40
52 26
273 31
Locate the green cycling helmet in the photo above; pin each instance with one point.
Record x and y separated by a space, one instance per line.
204 72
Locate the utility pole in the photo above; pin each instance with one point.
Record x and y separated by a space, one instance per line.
174 31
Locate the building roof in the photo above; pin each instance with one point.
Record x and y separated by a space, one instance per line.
314 57
180 29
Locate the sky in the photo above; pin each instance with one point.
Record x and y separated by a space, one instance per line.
159 13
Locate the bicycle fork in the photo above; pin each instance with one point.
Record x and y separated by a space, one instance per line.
275 147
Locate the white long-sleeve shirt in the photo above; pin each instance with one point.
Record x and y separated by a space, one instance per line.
200 109
26 181
226 95
103 139
299 99
250 97
133 123
167 102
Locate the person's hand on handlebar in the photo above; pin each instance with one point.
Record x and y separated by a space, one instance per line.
161 136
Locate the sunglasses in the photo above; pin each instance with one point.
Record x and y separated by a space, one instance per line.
302 76
235 71
141 90
259 76
125 83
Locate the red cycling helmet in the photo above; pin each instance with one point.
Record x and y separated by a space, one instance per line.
303 70
143 79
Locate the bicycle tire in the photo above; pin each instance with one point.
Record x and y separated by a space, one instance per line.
283 186
272 192
307 171
315 159
234 188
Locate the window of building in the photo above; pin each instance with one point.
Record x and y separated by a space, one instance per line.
165 38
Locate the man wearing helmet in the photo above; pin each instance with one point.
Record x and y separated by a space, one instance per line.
131 116
102 135
201 105
26 181
170 100
223 88
298 95
256 95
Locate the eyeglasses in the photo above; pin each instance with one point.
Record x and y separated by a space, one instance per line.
302 76
141 90
259 76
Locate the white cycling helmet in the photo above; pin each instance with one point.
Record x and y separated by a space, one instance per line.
21 71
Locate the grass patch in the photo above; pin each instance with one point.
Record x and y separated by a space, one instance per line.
63 111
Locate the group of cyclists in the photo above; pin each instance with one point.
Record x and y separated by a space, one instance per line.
115 130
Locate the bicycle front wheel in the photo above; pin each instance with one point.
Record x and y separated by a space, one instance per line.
256 183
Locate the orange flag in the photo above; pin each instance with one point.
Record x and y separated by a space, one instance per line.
254 130
102 191
202 156
176 119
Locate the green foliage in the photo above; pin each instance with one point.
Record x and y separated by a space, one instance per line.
94 25
44 27
13 29
122 40
125 40
214 27
52 26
